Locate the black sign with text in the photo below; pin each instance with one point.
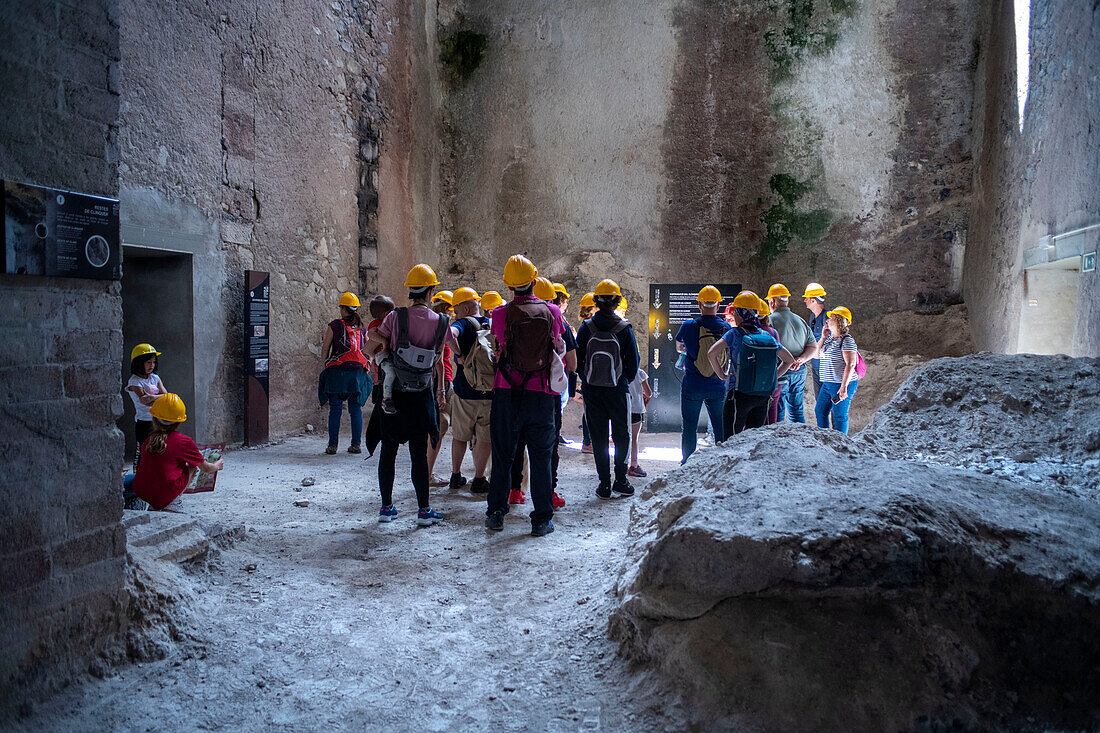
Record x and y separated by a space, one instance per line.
58 233
257 358
669 307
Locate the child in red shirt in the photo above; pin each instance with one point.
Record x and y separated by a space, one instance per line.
169 460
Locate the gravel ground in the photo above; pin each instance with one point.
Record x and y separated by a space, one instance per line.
318 616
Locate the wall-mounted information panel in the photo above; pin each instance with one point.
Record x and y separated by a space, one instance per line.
56 233
257 357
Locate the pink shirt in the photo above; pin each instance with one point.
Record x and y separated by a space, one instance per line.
422 325
535 383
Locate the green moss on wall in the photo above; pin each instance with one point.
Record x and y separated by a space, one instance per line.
808 26
785 224
461 52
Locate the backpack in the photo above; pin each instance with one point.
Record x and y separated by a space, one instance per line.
478 363
758 363
861 365
707 339
603 362
412 365
528 341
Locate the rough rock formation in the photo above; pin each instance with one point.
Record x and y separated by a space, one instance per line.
799 579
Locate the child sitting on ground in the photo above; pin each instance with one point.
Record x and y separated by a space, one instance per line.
380 306
169 459
639 395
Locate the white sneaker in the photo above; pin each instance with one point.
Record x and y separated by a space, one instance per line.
176 506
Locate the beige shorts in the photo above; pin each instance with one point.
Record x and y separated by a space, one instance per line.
470 419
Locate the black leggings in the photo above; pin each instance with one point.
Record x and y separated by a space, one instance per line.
744 411
418 452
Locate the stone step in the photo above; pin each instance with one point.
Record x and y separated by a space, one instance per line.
181 547
161 526
132 518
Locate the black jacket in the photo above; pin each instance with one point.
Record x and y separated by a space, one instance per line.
628 347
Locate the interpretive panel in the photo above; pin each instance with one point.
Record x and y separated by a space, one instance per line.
669 306
257 357
56 233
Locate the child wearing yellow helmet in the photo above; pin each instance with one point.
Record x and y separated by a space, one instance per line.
345 375
143 388
170 459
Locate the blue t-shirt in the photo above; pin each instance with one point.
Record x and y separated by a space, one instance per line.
688 335
465 340
817 325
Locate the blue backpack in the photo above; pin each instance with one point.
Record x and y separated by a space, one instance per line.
758 363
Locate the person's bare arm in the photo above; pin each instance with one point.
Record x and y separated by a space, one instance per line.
375 340
647 391
850 360
680 347
713 355
208 467
326 344
570 361
786 361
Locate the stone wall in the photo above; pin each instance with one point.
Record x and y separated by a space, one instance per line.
1043 179
62 549
249 134
745 142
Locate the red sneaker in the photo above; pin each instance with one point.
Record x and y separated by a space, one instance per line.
515 496
557 501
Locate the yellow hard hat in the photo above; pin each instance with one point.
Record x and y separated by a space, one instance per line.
779 291
544 289
445 295
519 272
421 276
462 295
588 300
608 287
491 299
841 311
763 309
747 299
709 294
350 300
142 350
168 408
560 289
814 290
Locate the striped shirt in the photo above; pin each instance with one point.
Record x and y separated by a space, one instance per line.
832 357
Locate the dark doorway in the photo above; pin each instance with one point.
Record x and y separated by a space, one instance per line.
158 308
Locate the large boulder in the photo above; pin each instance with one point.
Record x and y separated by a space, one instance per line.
798 579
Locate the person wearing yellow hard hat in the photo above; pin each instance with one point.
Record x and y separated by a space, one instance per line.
143 387
413 338
608 356
765 313
470 406
345 376
584 312
797 337
841 369
526 392
700 387
490 299
442 304
814 298
171 459
754 361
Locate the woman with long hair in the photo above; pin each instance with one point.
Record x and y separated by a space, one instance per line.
839 380
170 459
346 377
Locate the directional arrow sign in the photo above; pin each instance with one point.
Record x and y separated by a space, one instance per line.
656 359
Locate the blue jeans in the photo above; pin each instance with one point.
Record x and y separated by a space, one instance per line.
825 405
335 409
792 394
691 404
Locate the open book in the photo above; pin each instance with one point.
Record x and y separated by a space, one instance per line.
205 481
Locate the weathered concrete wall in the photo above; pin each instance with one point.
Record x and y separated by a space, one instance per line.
744 142
62 549
409 190
1043 180
240 137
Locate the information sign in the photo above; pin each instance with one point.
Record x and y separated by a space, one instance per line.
257 357
669 307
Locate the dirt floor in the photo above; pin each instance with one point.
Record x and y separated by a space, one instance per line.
320 617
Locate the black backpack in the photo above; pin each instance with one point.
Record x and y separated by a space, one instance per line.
412 365
603 360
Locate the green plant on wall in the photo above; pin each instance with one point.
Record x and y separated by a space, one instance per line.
809 26
461 51
784 224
